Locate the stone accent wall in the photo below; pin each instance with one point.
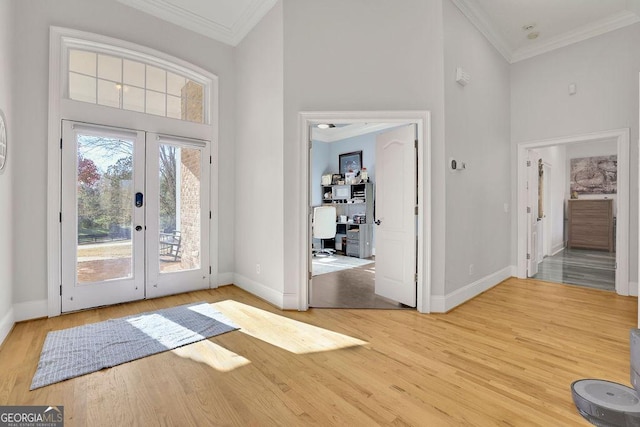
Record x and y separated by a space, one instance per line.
192 102
192 110
190 208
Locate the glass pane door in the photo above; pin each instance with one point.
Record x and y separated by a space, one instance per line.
102 225
179 208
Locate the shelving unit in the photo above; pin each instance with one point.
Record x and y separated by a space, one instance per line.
355 201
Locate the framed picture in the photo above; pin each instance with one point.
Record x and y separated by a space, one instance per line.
350 162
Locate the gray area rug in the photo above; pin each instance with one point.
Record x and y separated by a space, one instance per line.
324 265
72 352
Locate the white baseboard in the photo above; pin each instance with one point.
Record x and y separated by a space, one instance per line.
633 289
225 279
31 310
6 324
442 304
558 248
258 289
290 302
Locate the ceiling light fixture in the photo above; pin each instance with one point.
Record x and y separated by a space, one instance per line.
533 36
528 27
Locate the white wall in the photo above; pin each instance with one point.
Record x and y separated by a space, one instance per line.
29 150
477 132
605 69
556 158
260 171
6 193
361 55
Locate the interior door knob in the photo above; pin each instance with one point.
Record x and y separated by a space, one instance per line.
138 227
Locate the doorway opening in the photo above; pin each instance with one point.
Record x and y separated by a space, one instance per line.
134 217
359 272
344 183
569 181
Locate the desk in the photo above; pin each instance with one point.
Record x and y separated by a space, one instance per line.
359 238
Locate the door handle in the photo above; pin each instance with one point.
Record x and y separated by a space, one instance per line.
139 200
377 222
138 227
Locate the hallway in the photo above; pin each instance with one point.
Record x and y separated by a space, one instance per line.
582 267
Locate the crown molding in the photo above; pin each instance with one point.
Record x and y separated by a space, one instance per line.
250 18
482 22
611 23
167 11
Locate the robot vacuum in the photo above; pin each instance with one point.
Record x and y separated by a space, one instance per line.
608 404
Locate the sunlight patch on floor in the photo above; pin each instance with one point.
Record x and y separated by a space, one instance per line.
288 334
209 353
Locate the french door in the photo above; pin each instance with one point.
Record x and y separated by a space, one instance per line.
135 215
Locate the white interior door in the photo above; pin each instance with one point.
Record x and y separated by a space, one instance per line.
395 215
102 228
532 214
178 171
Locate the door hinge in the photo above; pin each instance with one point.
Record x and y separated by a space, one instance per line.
528 256
310 275
310 144
209 269
60 217
416 210
60 290
528 163
210 160
209 214
415 277
61 143
415 143
528 209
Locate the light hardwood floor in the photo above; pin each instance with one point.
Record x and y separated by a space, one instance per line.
507 357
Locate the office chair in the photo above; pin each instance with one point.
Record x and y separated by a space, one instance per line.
324 227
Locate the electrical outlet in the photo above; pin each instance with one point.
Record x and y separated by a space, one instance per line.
257 268
472 269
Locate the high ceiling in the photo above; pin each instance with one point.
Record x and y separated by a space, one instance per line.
227 21
557 22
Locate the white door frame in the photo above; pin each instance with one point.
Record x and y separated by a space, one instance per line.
422 120
622 199
63 108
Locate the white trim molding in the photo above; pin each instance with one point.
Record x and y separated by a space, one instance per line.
633 289
224 279
61 107
611 23
484 24
442 304
422 120
621 136
260 290
30 310
6 325
205 25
